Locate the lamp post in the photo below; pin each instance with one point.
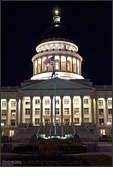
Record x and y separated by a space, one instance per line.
109 124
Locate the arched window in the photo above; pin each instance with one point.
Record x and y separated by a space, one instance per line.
69 64
63 63
57 63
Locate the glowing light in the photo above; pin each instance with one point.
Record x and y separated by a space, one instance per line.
108 123
62 75
2 124
56 12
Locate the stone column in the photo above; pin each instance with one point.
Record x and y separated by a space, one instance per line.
61 110
60 62
66 63
17 101
7 114
106 112
51 110
76 67
82 110
71 110
31 110
21 110
72 63
96 101
41 113
92 109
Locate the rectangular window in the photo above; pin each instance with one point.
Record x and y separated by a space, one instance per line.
37 111
4 103
66 111
27 101
86 110
11 133
13 113
13 103
57 101
12 122
27 121
101 111
109 102
85 101
109 111
27 111
57 111
86 120
101 121
66 101
37 121
37 101
47 111
76 101
3 122
47 101
100 102
4 112
102 131
76 111
76 120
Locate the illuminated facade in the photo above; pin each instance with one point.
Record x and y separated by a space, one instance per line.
80 106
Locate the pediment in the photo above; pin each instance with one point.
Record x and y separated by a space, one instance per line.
60 84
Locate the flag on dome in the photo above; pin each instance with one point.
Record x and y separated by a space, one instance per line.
50 62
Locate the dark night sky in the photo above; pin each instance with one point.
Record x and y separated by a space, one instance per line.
89 22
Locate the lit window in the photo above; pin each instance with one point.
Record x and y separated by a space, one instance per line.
47 101
76 111
27 111
76 101
57 65
102 131
12 122
86 110
85 101
76 120
66 101
37 101
37 111
46 111
101 111
69 64
66 121
37 121
66 111
4 112
27 101
101 121
86 120
57 111
100 102
109 102
4 103
27 121
11 133
47 121
109 111
3 122
13 103
13 113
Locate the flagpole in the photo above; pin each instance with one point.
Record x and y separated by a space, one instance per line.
55 101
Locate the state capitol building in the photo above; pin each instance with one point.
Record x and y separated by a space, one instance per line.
81 107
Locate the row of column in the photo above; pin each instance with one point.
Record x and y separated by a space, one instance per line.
77 69
41 115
